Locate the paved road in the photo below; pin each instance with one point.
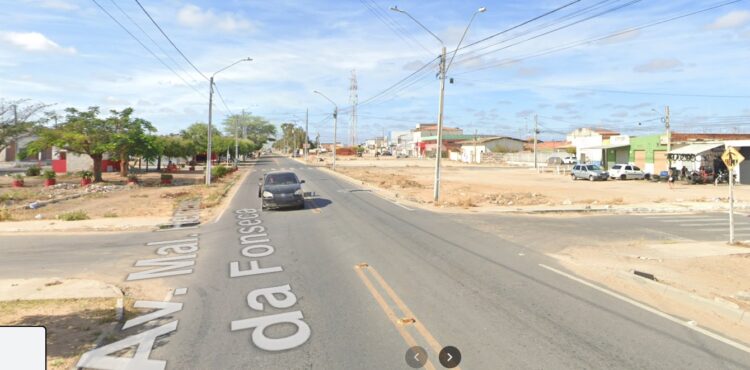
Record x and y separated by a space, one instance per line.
466 288
472 289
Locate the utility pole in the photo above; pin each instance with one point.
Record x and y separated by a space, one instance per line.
536 131
438 153
335 123
475 148
307 135
731 204
669 138
15 144
208 143
236 138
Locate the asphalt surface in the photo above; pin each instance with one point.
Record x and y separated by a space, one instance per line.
463 283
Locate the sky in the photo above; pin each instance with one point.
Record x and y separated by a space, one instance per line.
557 68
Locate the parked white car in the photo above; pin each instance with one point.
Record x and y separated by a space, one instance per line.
569 160
626 171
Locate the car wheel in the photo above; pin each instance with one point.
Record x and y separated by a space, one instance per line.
591 177
573 177
623 177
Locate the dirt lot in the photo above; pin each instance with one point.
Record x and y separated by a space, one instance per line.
73 325
111 199
475 186
711 270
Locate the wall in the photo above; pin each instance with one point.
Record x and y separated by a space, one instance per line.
520 158
648 144
507 145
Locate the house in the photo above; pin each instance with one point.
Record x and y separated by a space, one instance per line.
548 146
425 132
472 150
11 153
589 143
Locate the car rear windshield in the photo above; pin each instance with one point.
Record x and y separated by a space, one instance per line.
592 167
281 179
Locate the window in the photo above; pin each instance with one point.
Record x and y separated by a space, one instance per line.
635 168
616 167
592 167
281 179
628 168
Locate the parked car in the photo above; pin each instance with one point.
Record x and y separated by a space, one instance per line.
626 171
569 160
281 189
591 172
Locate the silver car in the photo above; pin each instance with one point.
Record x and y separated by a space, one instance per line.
591 172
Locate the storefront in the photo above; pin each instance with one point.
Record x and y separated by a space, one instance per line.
648 153
695 157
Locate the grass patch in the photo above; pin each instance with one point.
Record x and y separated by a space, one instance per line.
5 215
110 214
16 196
73 216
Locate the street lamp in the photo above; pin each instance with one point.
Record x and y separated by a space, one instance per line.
210 115
335 120
443 70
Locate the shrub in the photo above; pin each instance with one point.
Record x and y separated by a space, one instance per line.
166 176
18 176
5 214
86 175
49 174
218 172
33 171
73 216
110 214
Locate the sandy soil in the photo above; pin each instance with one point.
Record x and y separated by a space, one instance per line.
116 200
712 270
72 324
485 186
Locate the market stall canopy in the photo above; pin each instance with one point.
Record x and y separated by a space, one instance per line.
689 152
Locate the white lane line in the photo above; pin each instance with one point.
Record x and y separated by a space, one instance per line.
169 295
667 316
736 229
180 291
675 220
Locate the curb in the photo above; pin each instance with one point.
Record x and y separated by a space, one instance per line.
720 307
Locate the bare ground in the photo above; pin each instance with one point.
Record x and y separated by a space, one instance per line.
711 270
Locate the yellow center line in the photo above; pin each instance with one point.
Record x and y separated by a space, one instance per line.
405 309
391 315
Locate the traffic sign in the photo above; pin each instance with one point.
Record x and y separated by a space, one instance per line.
732 157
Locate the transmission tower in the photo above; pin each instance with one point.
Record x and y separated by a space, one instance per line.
353 100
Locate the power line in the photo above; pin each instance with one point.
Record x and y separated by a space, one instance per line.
519 25
597 39
222 99
646 92
170 40
374 9
395 85
604 12
150 38
146 47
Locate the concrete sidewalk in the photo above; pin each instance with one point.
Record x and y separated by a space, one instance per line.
55 288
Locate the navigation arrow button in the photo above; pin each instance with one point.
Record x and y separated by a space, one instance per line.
416 357
450 357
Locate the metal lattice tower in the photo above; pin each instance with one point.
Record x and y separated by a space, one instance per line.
353 100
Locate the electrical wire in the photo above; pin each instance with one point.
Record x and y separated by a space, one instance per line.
600 38
147 48
576 22
152 40
170 40
400 32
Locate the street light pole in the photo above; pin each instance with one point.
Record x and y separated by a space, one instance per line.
335 123
236 139
443 71
210 116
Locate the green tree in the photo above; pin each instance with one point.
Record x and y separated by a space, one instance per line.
132 136
197 135
248 126
292 138
82 132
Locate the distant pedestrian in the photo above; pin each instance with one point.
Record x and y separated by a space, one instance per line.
670 180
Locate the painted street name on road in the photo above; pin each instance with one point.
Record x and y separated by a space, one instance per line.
179 259
255 244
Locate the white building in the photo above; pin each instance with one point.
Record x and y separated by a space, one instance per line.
589 143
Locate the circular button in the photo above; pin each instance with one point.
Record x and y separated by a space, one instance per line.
416 357
450 357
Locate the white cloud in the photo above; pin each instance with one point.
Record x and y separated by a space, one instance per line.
56 4
658 65
34 41
193 16
732 19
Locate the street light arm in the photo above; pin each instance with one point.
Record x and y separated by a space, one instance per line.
396 9
481 10
327 98
232 65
